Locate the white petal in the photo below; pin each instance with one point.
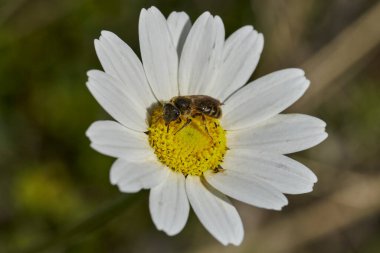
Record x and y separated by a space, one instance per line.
134 176
158 53
214 211
179 26
119 61
281 172
264 98
201 55
241 54
168 204
111 138
116 100
246 188
282 134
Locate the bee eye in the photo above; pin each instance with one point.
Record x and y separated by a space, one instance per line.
170 113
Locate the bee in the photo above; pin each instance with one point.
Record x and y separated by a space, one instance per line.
189 107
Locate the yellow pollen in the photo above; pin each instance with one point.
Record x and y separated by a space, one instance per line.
197 147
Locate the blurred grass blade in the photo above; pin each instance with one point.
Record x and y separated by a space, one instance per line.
335 59
100 218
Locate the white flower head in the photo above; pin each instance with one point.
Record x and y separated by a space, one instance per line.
189 129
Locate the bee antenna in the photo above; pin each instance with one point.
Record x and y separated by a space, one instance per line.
218 169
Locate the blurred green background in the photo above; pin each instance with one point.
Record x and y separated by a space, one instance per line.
51 182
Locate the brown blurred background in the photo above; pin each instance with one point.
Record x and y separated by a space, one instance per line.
55 194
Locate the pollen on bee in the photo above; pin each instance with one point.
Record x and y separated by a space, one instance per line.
192 149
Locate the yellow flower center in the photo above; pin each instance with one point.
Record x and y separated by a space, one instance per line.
192 150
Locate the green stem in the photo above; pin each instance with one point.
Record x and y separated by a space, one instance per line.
91 223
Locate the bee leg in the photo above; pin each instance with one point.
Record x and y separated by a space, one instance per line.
184 125
205 125
167 128
218 169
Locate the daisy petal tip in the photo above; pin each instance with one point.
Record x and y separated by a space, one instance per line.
153 8
171 232
93 145
224 242
306 189
280 207
113 176
322 136
311 187
94 127
292 73
174 13
96 43
127 189
88 74
218 19
142 13
238 237
306 82
248 28
314 179
297 71
260 39
325 135
102 40
303 83
107 34
92 73
98 47
184 14
205 15
88 85
260 43
175 18
154 11
319 122
113 180
89 131
237 241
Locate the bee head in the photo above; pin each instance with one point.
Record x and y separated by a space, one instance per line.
170 113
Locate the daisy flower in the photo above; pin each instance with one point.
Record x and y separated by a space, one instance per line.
189 129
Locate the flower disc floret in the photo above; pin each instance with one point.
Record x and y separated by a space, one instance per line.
191 150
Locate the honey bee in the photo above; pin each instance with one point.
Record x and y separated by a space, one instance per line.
189 107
